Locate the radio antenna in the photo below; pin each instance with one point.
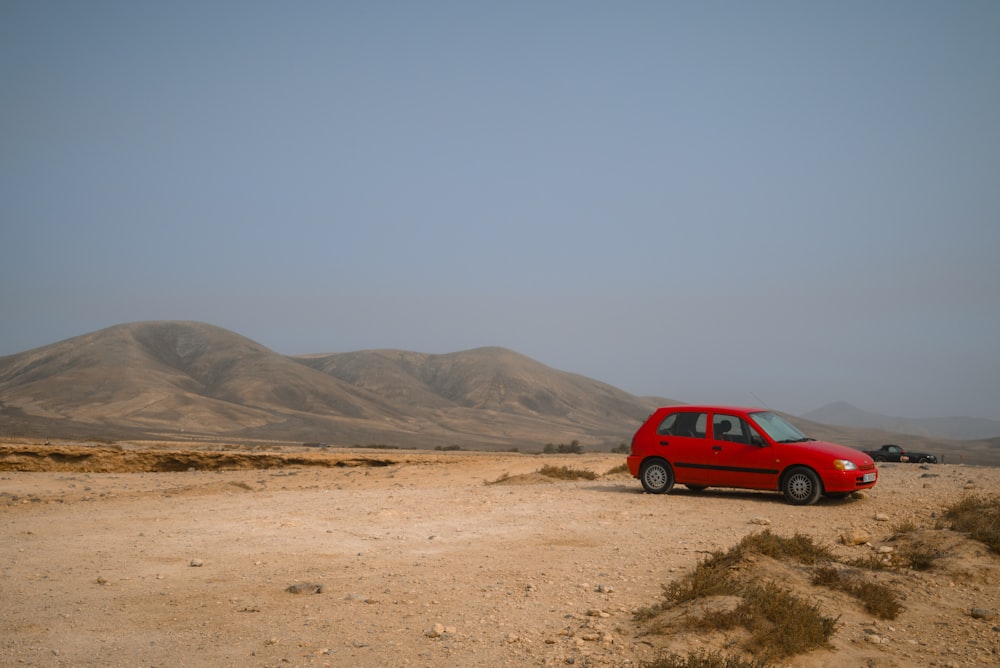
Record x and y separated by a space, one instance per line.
759 400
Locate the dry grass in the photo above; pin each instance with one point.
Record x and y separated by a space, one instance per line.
978 516
705 660
780 624
567 473
878 599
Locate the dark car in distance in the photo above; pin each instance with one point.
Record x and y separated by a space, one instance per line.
747 448
894 453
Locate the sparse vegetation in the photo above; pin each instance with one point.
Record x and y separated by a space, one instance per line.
779 623
704 660
503 477
449 448
978 516
878 599
621 448
799 547
621 468
573 448
903 528
567 473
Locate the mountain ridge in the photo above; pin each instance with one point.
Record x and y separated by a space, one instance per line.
170 380
159 378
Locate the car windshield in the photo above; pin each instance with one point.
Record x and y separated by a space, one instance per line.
778 429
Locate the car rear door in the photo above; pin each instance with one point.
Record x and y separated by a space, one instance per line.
683 437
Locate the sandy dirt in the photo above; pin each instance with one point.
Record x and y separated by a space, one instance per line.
417 560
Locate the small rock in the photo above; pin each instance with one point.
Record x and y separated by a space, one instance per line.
305 588
763 521
197 563
983 613
855 537
436 631
881 517
886 549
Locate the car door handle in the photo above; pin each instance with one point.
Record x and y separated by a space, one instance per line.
717 447
664 443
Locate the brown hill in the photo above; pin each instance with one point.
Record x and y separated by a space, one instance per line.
186 380
193 380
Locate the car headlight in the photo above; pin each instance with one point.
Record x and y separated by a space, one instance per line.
844 465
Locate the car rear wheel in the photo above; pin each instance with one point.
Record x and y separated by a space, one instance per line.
880 458
656 476
801 486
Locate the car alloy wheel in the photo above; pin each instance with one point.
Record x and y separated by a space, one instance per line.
656 476
801 486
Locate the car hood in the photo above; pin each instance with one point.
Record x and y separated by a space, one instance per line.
838 451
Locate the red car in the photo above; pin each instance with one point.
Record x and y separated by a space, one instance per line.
748 448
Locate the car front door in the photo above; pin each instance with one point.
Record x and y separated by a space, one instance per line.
741 457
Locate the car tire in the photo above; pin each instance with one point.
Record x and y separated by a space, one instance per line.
923 460
801 486
880 458
656 476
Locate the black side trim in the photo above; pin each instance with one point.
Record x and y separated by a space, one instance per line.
735 469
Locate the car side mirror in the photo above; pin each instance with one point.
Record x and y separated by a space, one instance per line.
757 440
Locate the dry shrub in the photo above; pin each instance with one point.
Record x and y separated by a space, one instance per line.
567 473
502 478
878 599
705 660
780 624
799 547
978 516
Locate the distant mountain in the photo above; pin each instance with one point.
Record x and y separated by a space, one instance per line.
187 379
962 428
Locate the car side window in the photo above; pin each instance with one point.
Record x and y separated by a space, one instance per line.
726 428
734 429
666 427
684 424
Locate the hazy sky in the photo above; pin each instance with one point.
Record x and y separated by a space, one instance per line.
787 203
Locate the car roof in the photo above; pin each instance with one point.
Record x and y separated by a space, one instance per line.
711 408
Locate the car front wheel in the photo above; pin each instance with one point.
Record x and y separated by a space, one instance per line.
801 486
656 476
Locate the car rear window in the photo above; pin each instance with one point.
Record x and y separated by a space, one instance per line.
684 424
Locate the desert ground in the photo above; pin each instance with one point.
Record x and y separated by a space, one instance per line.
405 558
